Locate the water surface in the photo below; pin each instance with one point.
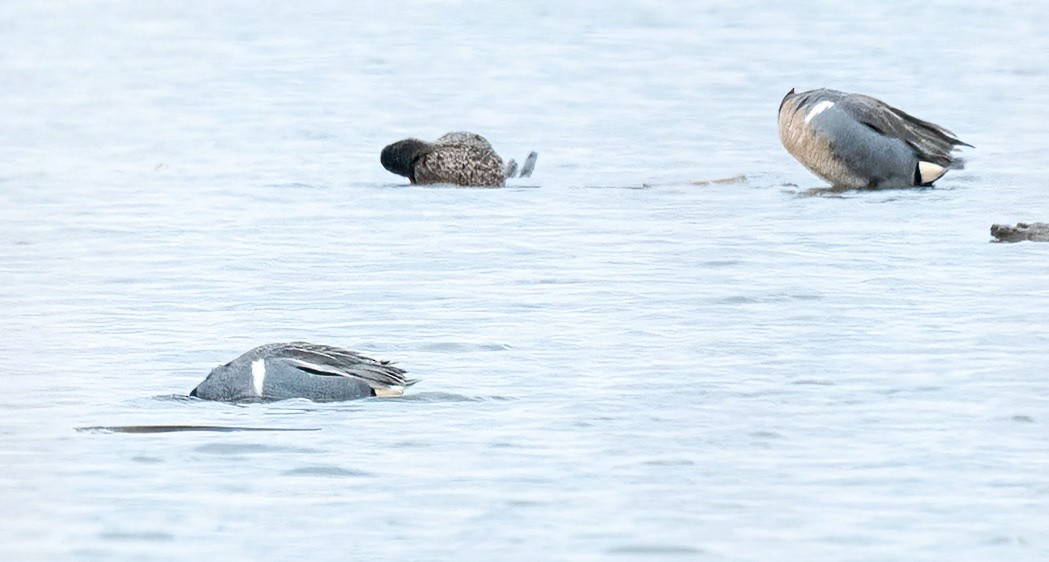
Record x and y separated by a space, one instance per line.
621 358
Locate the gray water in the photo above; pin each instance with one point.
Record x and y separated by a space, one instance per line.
619 358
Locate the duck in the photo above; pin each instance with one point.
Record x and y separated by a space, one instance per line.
457 158
322 373
1035 232
855 141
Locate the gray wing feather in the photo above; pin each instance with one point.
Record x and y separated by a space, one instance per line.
932 142
334 361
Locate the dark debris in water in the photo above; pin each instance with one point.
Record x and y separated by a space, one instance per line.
181 428
1035 232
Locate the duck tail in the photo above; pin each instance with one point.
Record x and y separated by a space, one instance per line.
526 169
529 165
385 391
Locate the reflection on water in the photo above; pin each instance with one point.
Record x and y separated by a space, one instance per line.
178 428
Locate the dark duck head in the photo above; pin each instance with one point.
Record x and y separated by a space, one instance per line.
401 156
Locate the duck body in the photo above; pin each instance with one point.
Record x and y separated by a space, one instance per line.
459 158
855 141
321 373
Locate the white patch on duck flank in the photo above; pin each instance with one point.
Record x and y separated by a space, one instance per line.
929 172
817 109
258 375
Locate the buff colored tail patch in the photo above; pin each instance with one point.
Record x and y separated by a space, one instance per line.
929 172
387 391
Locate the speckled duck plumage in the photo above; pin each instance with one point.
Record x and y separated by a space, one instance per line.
321 373
458 158
855 141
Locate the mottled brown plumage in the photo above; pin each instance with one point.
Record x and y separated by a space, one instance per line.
460 158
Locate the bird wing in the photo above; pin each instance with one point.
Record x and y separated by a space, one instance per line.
932 142
333 361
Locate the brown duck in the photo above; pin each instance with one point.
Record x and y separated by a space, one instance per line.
460 158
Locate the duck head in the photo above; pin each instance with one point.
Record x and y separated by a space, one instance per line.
401 156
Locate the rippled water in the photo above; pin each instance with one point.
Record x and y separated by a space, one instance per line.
618 363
